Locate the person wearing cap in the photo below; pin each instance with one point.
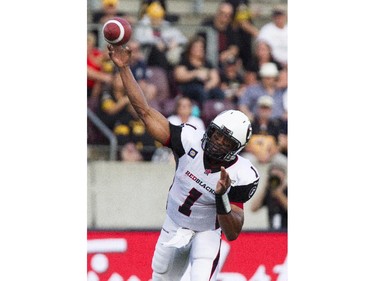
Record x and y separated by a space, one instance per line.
262 54
109 9
268 135
146 3
243 23
266 86
264 149
275 33
159 38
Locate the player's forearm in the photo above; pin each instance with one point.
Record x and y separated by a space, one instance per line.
231 224
134 92
156 124
230 216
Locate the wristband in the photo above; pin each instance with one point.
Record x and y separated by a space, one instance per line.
222 204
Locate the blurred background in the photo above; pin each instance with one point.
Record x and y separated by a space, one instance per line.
128 173
237 51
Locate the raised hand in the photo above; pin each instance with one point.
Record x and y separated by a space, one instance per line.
119 55
224 182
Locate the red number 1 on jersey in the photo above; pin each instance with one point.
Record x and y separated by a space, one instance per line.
190 200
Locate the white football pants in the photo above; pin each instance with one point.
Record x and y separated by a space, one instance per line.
169 263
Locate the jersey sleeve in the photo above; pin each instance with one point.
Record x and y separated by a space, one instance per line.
242 193
245 189
175 142
182 137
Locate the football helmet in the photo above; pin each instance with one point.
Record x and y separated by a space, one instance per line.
226 135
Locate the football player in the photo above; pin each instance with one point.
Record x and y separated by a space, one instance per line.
210 186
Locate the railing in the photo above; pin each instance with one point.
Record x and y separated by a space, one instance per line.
106 132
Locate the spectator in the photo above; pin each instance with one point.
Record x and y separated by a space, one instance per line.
282 84
232 80
162 44
184 108
262 55
274 197
196 77
171 17
129 153
283 139
264 146
163 41
183 114
119 116
113 103
267 86
130 129
228 40
108 11
285 104
275 33
247 31
282 81
95 75
144 5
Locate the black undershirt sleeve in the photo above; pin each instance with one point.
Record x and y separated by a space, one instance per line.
175 141
242 193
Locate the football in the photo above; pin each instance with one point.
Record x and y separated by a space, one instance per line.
117 31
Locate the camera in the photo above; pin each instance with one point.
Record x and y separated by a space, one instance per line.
274 181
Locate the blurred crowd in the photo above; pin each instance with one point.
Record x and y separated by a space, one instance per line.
179 79
191 80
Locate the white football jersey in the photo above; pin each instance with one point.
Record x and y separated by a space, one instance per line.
191 199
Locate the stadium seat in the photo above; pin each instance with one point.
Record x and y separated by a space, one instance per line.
211 108
159 78
168 106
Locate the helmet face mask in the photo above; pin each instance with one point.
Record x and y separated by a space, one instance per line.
220 145
226 135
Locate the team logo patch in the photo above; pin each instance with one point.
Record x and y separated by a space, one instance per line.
192 153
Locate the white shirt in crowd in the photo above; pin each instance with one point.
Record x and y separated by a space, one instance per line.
277 38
